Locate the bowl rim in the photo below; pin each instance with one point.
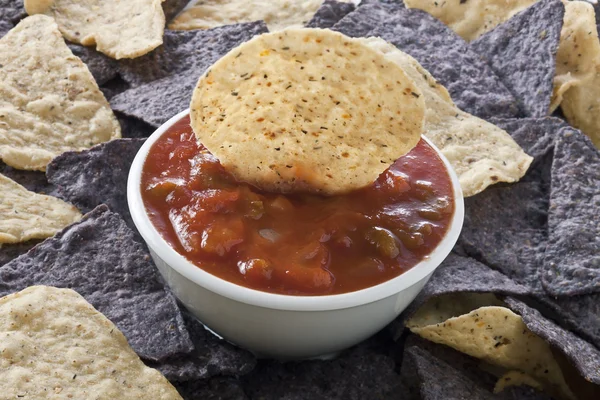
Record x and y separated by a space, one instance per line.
254 297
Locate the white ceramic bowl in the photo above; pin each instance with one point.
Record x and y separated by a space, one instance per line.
280 326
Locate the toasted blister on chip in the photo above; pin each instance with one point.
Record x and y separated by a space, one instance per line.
522 52
577 80
278 14
119 29
492 333
26 215
481 153
55 344
471 19
50 102
326 113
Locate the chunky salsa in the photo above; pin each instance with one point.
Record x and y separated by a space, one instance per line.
298 244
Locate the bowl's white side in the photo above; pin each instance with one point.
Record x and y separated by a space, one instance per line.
284 334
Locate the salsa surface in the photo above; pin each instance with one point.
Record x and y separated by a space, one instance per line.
298 244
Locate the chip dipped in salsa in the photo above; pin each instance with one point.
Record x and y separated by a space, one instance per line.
295 244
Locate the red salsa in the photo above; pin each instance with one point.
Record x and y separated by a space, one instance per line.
298 244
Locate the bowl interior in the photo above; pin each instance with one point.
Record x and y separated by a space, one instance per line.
277 301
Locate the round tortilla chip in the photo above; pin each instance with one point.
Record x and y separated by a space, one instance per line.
307 110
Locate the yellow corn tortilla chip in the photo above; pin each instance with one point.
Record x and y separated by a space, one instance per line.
119 29
577 80
277 14
516 378
493 334
26 215
471 19
49 101
55 345
326 113
481 153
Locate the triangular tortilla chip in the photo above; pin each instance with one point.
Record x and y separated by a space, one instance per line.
572 259
522 52
26 215
577 81
49 101
471 19
119 29
481 153
494 334
56 345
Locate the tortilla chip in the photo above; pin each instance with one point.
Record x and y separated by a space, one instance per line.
277 14
43 113
330 12
459 274
171 72
96 176
509 239
362 21
101 248
583 355
360 373
26 215
134 128
34 181
480 153
494 334
472 84
522 52
577 81
12 11
572 258
55 344
471 19
103 69
289 106
211 356
218 388
173 7
434 372
118 29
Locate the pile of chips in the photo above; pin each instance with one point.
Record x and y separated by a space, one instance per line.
513 313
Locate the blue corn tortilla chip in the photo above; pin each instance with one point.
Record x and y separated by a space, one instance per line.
5 27
12 11
9 252
583 356
434 372
360 373
473 85
329 14
103 68
96 176
113 88
219 388
162 81
99 258
580 314
505 228
172 7
134 128
522 52
32 180
361 22
458 274
572 258
211 356
535 135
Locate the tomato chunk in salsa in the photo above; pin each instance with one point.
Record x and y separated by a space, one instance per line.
298 244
